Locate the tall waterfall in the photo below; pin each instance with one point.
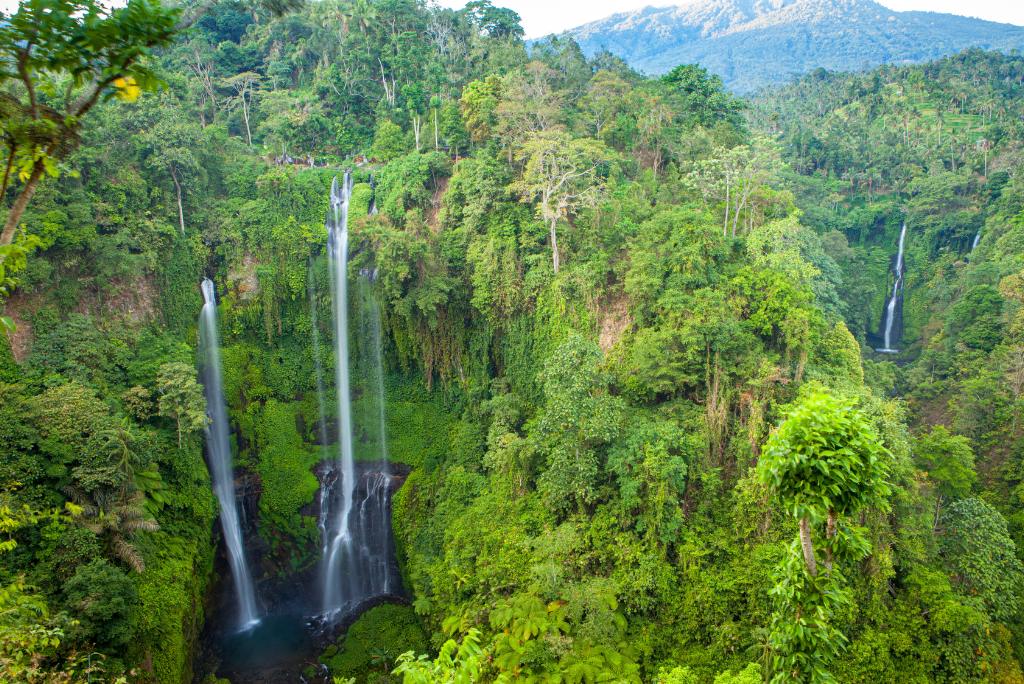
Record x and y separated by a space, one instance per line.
977 239
355 502
339 545
897 286
219 451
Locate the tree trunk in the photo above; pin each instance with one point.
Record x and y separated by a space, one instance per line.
554 245
181 209
831 527
20 204
437 142
245 115
808 547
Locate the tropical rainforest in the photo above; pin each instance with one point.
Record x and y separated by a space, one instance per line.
629 330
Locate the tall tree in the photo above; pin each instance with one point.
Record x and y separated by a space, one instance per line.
562 174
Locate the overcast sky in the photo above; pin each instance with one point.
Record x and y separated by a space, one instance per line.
541 17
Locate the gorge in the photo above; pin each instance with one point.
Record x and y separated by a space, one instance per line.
365 341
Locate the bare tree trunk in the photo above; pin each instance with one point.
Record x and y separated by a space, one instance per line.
417 123
437 142
245 115
181 209
808 547
20 204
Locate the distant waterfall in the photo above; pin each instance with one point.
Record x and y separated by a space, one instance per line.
897 287
219 451
977 239
373 197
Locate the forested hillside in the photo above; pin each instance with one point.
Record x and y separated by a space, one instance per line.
629 327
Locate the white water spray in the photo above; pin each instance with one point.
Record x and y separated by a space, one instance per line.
219 450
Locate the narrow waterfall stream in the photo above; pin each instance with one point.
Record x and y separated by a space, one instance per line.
894 298
219 452
355 503
339 545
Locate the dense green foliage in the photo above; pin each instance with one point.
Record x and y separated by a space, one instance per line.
600 292
375 641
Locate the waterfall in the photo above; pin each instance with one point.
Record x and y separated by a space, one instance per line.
340 544
897 286
219 452
355 504
977 239
373 197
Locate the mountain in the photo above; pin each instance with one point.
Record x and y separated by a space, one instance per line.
754 43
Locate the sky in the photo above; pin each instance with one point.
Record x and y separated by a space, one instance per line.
541 17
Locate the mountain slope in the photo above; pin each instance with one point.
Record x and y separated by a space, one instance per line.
753 43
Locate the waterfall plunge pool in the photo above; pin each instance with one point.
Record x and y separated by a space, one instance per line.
286 644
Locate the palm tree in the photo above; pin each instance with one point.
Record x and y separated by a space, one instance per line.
116 517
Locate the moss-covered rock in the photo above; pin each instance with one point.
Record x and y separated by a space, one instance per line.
369 648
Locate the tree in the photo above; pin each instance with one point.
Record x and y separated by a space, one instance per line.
389 142
949 461
605 99
82 49
116 517
181 398
823 464
701 96
529 104
244 86
31 635
579 418
102 597
478 105
496 22
562 174
977 548
170 146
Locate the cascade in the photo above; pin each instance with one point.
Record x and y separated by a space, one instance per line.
219 451
355 503
897 287
339 544
977 239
